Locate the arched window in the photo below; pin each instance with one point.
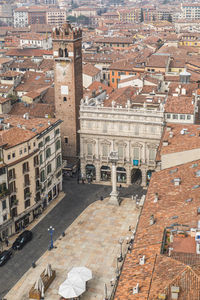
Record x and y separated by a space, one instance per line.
60 52
57 31
66 52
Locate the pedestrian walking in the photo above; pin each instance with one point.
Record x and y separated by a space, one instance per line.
6 241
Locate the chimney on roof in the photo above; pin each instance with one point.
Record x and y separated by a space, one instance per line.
170 251
152 220
183 91
183 131
142 260
165 143
174 292
177 181
136 289
100 89
168 128
171 134
156 198
26 116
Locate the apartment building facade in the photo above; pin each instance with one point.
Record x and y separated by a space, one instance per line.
190 11
56 17
132 15
31 175
24 16
21 17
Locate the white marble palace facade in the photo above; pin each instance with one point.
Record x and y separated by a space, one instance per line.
134 132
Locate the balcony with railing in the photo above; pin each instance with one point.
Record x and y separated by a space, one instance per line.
13 191
27 195
90 157
4 193
26 170
104 158
36 162
11 177
14 203
38 187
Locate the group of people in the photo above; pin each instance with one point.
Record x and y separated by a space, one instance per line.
5 240
89 178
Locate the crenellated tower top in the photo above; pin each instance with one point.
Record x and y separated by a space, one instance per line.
66 32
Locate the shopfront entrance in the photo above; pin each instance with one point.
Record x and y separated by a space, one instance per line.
90 172
121 175
105 173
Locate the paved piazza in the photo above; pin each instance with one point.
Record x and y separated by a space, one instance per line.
91 241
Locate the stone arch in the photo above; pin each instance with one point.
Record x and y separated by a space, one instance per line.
136 176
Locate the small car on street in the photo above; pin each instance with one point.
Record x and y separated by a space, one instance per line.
22 239
5 256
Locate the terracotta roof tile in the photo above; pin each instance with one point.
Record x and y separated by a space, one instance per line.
179 105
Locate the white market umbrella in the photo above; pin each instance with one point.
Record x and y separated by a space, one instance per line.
75 277
70 289
83 272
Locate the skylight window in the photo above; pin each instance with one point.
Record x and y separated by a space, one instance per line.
194 165
188 200
196 186
173 171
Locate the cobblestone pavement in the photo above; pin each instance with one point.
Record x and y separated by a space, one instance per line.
92 240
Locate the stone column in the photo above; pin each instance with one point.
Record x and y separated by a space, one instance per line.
144 177
114 195
98 175
128 175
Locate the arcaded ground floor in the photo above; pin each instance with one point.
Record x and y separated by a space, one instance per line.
126 173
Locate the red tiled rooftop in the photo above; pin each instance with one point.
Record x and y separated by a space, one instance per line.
160 272
184 244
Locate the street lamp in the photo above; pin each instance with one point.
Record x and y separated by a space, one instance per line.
112 282
51 230
106 292
117 271
121 256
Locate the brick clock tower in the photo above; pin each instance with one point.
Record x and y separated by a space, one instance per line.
67 52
